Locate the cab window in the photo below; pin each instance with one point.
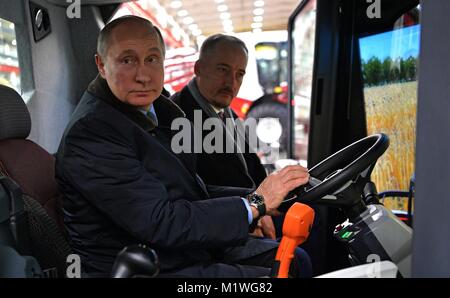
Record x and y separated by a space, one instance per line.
9 63
302 50
389 63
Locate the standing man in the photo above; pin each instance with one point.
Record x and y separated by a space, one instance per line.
122 183
219 72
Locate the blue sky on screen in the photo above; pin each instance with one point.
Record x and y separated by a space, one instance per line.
398 43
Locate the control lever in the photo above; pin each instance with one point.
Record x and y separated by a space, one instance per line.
296 228
136 260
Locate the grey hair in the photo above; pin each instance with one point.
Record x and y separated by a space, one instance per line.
210 43
105 33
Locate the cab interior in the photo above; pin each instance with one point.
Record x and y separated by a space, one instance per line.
55 55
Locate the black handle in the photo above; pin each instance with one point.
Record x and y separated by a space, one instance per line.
136 260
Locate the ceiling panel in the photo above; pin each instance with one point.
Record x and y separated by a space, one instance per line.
205 13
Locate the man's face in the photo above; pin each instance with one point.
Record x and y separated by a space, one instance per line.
134 65
219 75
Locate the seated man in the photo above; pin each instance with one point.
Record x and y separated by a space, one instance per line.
219 72
123 184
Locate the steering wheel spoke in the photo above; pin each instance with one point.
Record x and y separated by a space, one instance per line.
349 170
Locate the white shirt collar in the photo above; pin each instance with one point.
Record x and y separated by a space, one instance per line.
216 109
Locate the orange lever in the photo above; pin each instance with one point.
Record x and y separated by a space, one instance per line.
296 227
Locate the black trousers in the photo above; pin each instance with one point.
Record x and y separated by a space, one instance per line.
235 266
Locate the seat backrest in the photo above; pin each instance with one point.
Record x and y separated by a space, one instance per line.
32 168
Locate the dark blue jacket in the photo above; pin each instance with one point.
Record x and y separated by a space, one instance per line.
122 185
221 168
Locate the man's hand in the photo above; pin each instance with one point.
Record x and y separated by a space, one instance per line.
258 232
265 228
277 185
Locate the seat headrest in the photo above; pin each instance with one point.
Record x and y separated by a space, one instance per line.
15 121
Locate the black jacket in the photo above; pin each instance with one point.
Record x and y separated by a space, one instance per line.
122 185
221 168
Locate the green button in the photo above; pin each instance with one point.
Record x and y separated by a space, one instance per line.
346 235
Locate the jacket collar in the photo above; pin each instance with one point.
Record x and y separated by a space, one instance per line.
165 109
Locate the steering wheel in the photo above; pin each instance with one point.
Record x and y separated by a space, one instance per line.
338 172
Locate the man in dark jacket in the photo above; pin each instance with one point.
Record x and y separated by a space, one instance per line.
123 184
219 72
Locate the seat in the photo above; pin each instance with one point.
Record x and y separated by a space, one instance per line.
32 169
